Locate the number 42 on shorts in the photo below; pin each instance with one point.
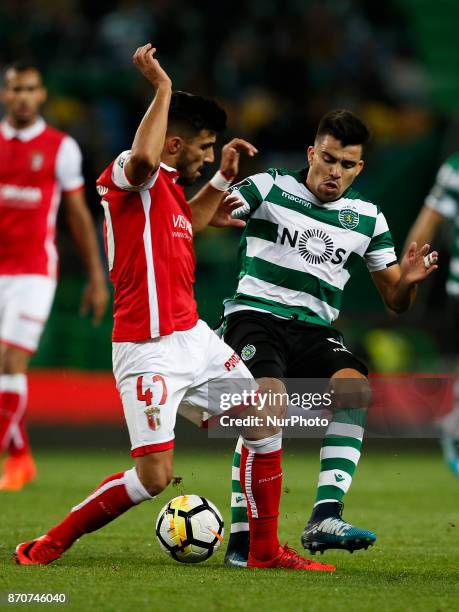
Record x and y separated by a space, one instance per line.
145 394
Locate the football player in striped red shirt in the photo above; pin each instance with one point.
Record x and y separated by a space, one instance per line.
39 167
163 355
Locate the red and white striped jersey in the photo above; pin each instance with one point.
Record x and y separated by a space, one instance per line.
37 164
149 244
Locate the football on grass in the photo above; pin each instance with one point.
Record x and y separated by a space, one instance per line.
190 528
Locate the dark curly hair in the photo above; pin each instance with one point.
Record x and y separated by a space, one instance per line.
190 114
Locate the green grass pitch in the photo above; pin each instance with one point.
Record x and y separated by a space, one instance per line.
409 499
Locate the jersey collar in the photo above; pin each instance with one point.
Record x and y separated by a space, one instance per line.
172 171
24 135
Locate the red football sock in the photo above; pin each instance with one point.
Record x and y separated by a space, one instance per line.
19 444
106 503
12 408
261 480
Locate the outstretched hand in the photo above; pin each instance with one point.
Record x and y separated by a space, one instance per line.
418 264
148 65
223 218
229 165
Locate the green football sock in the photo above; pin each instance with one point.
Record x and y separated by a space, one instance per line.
340 454
239 520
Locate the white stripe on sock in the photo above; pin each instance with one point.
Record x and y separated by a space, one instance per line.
235 473
327 477
14 383
16 436
265 445
135 489
238 527
345 429
248 484
341 452
108 485
323 501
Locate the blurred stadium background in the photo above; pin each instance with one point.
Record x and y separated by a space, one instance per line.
276 66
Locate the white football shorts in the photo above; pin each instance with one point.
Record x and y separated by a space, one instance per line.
25 304
183 369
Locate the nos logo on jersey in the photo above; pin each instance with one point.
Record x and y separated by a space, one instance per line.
349 218
314 245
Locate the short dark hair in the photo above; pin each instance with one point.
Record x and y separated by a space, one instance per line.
345 127
192 114
23 66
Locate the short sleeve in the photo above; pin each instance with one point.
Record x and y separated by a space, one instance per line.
252 191
444 195
380 253
68 165
120 179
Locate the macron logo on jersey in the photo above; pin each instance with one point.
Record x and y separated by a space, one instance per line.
295 199
181 223
21 197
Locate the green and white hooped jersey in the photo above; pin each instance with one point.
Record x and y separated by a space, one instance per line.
444 198
296 253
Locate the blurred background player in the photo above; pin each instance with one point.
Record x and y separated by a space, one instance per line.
443 203
39 166
304 230
163 355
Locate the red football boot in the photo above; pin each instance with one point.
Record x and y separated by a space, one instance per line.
288 558
41 551
17 472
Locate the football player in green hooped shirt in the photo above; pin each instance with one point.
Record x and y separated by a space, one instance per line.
304 231
443 203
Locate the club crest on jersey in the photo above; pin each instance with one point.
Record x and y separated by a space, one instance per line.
315 246
349 218
153 420
36 162
248 352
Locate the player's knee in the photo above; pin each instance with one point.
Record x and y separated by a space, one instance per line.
273 396
351 392
155 483
155 472
14 361
272 405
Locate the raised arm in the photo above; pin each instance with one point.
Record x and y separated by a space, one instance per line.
148 143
